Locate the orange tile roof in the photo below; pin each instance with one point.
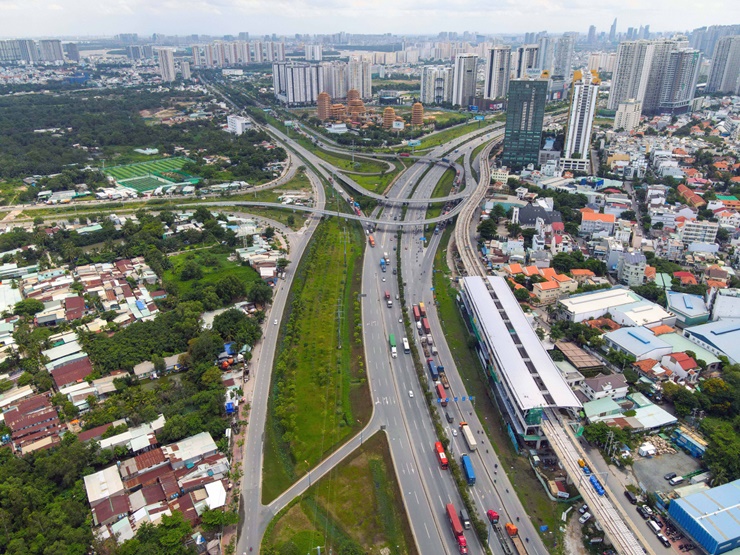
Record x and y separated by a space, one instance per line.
547 285
662 329
650 272
716 283
561 278
587 210
531 271
548 273
646 364
516 285
594 217
582 272
514 269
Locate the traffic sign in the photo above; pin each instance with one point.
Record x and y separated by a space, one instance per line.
480 118
456 399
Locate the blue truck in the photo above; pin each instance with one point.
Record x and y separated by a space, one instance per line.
433 369
382 264
467 465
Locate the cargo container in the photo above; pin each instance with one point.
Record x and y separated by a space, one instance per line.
441 394
423 310
392 342
467 465
371 240
457 529
441 457
417 313
469 436
425 326
432 369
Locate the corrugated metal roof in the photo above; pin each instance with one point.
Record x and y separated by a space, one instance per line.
716 510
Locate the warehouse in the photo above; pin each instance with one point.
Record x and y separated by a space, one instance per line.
711 517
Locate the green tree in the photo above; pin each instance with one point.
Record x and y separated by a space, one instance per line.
191 270
28 307
487 229
215 520
521 295
260 293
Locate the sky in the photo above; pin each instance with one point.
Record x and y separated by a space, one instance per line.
37 18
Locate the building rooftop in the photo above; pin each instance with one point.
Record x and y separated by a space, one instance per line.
643 312
723 335
103 484
599 300
691 306
638 341
600 382
579 358
680 343
716 511
596 217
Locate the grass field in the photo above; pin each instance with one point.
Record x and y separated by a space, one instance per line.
447 135
359 501
142 184
299 182
319 394
211 274
143 169
536 504
374 183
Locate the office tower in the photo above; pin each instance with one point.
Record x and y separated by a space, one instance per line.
592 34
525 60
436 84
563 64
244 36
529 38
51 51
389 116
313 52
185 69
629 80
359 77
679 83
297 84
545 54
464 80
581 117
73 52
417 114
628 115
613 31
166 64
723 77
323 104
197 56
646 32
525 113
498 69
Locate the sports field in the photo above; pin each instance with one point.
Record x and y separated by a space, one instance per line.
143 184
143 169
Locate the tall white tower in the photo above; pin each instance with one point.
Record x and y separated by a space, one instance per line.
581 118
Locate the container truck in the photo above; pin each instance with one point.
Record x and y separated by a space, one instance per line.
382 264
392 341
469 436
371 240
443 377
467 465
513 532
440 454
417 313
423 310
432 369
425 325
430 340
441 394
457 529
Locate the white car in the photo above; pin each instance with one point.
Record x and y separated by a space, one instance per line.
275 323
384 279
584 518
454 432
411 394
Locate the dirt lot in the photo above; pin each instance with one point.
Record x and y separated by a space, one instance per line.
573 539
650 472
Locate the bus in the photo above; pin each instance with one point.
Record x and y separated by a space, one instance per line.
406 348
441 457
392 341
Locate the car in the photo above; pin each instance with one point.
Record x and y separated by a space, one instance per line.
454 432
411 394
394 271
584 518
583 508
448 417
383 279
396 295
275 323
669 476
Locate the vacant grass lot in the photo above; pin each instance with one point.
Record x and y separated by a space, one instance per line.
375 183
214 266
319 392
447 135
359 501
536 504
300 182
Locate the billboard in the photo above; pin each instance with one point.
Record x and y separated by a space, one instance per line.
414 143
480 118
496 106
399 125
473 108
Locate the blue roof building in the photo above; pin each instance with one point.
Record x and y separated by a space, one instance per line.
639 342
711 517
719 338
690 310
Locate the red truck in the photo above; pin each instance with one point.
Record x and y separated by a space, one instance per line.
423 310
439 388
425 326
440 452
457 529
417 313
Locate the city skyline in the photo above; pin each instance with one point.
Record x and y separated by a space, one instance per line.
35 18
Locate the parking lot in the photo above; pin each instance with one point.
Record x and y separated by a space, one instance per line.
650 472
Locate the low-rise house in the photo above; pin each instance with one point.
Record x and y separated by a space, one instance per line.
598 387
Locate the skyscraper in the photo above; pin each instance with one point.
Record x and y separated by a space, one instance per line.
359 77
436 84
661 54
613 31
525 113
525 60
297 84
725 71
185 69
679 82
465 77
313 52
498 68
166 64
545 54
51 51
581 117
592 34
73 52
563 63
630 77
197 56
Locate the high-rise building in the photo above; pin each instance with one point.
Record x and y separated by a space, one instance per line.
725 72
323 105
545 54
584 97
185 69
613 31
436 84
417 114
359 77
524 60
297 84
314 52
592 34
498 69
628 115
706 38
563 60
73 52
679 82
210 55
465 78
525 113
197 56
166 64
244 36
335 78
661 54
630 77
529 38
51 51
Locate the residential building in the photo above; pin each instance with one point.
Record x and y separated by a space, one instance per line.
297 84
628 115
545 54
613 386
167 64
679 80
525 114
51 50
725 71
185 70
524 61
593 222
436 84
696 231
498 69
359 77
563 59
335 78
631 269
465 78
238 124
681 366
581 117
630 77
313 52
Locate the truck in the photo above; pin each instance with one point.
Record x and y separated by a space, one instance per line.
387 258
441 394
439 451
388 299
443 377
422 310
432 369
464 519
382 264
429 339
467 465
513 532
425 326
469 436
371 240
417 313
392 341
457 529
